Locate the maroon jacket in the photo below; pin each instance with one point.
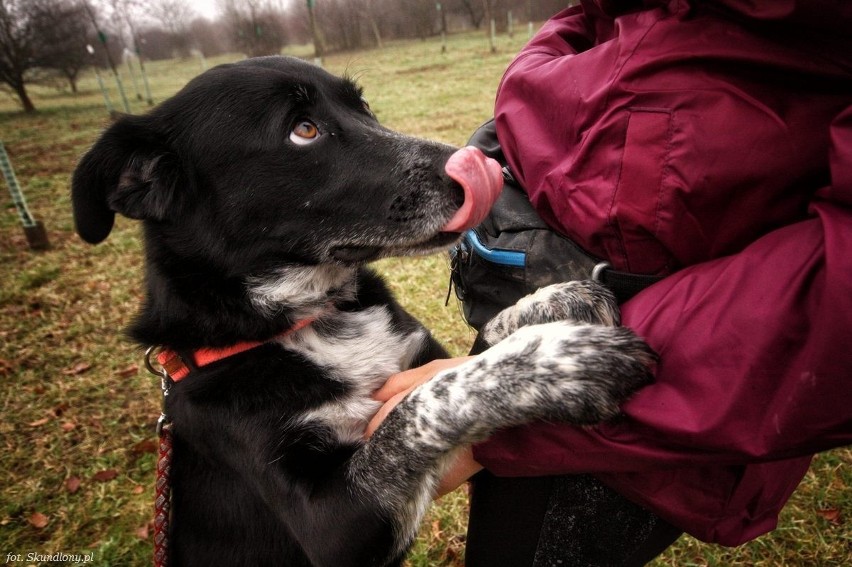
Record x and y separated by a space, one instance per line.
711 141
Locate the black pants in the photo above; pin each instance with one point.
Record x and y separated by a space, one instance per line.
559 521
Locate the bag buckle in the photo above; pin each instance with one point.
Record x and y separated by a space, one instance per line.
598 270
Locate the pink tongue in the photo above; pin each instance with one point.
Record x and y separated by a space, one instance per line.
482 180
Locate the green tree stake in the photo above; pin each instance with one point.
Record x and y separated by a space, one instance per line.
103 39
104 91
128 56
33 229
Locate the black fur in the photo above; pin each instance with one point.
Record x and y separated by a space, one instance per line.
247 230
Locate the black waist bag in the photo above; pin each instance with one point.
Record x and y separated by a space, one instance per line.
513 252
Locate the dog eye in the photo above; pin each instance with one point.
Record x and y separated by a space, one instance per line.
366 106
304 132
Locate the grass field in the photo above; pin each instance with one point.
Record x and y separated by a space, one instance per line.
78 410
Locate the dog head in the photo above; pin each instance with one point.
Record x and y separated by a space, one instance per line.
272 161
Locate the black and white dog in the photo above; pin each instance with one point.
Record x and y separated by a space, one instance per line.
264 187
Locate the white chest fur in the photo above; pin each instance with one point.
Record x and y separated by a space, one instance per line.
361 349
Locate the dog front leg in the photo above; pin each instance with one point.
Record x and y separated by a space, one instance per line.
580 301
557 371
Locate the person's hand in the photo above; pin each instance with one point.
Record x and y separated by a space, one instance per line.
399 385
462 468
463 465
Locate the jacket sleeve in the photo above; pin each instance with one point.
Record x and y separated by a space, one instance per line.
755 356
571 31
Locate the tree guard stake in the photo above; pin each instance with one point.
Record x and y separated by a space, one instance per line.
104 92
33 229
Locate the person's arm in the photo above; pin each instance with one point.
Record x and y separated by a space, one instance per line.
755 348
400 385
755 357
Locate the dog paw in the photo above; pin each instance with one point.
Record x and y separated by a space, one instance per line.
561 371
565 372
581 301
607 364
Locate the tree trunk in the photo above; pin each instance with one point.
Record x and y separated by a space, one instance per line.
489 25
21 91
71 77
376 33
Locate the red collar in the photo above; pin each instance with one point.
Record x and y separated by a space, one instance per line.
177 369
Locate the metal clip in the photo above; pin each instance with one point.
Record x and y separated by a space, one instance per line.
150 366
162 421
165 386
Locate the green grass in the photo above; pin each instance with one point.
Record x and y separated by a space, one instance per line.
75 401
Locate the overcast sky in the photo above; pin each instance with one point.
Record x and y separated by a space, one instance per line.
206 8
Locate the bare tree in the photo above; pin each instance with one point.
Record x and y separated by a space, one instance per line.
17 47
341 24
489 19
37 39
473 10
256 26
316 34
62 31
370 13
423 16
176 17
211 38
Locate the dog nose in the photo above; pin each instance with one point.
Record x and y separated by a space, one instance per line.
481 178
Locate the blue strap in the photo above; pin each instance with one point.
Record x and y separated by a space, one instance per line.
511 258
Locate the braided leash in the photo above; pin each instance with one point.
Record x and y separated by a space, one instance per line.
162 502
163 487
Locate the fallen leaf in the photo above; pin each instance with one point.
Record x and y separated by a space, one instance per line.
138 489
38 520
452 556
131 370
142 532
72 484
78 368
39 422
68 426
831 515
144 446
105 475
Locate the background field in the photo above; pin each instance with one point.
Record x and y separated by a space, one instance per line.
78 410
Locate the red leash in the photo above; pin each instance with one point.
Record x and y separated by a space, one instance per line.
163 501
174 369
163 487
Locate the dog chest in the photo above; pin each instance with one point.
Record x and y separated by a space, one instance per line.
360 349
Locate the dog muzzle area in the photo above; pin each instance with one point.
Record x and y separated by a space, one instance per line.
481 180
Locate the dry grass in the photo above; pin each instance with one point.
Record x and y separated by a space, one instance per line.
77 462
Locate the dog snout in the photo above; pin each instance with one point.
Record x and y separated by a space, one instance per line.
406 208
422 203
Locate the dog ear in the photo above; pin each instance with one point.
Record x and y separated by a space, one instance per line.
130 171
